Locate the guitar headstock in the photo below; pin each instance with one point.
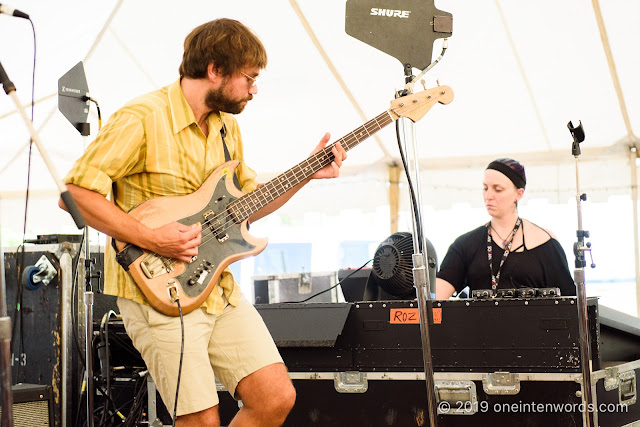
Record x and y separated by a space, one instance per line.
416 105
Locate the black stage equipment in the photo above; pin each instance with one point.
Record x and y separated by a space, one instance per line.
404 29
353 283
360 363
515 293
32 405
42 343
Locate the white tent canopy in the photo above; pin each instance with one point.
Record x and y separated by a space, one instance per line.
520 72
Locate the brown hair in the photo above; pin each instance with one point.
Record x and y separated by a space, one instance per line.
227 43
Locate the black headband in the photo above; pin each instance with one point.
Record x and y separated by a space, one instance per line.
517 180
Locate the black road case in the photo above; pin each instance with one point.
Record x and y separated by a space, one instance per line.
496 362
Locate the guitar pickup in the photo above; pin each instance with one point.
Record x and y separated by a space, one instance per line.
217 224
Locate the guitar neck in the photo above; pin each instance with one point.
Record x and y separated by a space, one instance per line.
249 204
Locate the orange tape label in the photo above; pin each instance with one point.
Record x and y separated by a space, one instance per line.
407 316
437 316
404 316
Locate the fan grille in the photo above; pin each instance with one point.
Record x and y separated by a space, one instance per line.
393 265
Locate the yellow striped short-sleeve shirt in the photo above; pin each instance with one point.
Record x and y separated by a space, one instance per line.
153 147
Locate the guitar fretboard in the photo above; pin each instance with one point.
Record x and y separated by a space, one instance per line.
249 204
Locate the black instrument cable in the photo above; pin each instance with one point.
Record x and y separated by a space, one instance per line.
21 255
412 193
174 295
332 287
105 368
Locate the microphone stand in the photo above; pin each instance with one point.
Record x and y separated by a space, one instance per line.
88 301
579 248
5 322
84 129
10 90
420 276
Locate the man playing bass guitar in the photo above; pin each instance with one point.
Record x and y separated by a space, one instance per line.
166 144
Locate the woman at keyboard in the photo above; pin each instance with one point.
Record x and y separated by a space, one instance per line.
508 251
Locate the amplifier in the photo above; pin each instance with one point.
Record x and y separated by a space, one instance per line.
32 405
41 338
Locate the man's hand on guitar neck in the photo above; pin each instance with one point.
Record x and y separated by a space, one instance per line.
332 170
329 171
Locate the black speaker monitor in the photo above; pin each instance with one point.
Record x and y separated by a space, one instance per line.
32 405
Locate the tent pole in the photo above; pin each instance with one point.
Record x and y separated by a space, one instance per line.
394 197
336 74
633 156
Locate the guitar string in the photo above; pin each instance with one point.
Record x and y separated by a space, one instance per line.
296 171
323 155
226 216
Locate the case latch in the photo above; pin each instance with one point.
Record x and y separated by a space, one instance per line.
627 388
304 283
350 382
501 383
611 380
456 397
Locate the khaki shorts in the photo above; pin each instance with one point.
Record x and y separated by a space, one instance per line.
228 347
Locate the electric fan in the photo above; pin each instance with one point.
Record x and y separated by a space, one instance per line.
392 270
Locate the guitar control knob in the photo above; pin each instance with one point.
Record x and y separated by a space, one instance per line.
191 282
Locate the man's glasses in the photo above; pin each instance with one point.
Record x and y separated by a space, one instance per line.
251 80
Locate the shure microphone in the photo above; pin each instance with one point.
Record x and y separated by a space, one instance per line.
8 10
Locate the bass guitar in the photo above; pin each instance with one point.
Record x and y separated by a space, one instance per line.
223 211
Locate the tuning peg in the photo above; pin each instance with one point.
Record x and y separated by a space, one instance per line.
424 84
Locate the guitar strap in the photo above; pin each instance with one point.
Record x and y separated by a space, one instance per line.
227 157
132 252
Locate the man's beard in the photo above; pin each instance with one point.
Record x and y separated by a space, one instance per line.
217 99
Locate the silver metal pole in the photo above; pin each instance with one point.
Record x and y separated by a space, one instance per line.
67 252
88 301
420 276
579 250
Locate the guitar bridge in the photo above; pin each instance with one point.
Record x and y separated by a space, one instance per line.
154 265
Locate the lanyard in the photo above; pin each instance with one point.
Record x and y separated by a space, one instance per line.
495 278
